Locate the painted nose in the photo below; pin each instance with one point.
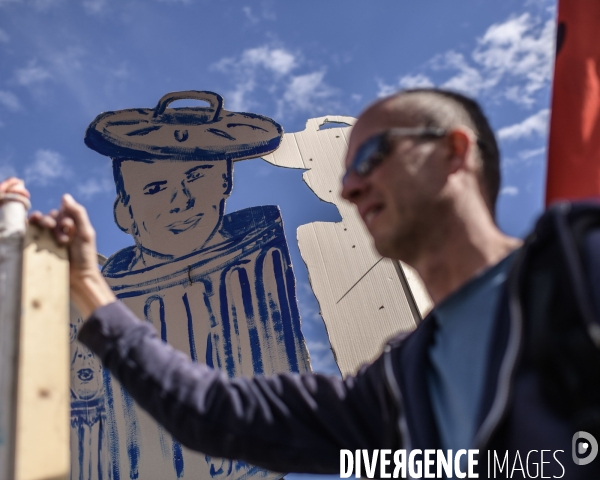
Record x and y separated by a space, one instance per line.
182 199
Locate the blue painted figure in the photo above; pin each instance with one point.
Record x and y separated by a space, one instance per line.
217 287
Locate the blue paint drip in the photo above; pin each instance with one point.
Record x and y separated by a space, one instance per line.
236 331
113 435
132 434
100 449
276 318
177 450
209 352
229 365
288 333
257 363
80 435
178 459
148 309
163 443
263 311
218 355
190 328
295 318
208 292
163 323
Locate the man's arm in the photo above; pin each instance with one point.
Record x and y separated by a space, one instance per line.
287 422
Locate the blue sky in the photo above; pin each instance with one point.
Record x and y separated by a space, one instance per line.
64 61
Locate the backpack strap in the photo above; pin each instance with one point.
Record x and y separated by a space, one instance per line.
567 219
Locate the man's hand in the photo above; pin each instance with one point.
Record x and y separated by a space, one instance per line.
14 188
72 227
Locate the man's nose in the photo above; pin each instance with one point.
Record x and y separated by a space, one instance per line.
182 199
352 186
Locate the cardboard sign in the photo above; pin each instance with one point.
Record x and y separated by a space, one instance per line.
364 298
218 287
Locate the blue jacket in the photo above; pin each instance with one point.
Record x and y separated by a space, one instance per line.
542 385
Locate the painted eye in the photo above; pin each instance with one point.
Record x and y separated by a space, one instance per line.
154 187
194 176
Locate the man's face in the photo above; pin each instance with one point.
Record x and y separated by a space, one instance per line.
176 205
401 200
86 374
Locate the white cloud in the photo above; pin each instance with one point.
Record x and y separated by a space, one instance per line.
305 91
527 154
95 186
32 74
509 191
47 167
407 81
93 7
254 19
385 89
535 124
512 60
45 4
468 79
277 60
247 68
522 49
270 70
68 69
4 38
415 81
10 101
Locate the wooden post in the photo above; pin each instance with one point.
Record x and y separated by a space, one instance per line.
34 308
12 231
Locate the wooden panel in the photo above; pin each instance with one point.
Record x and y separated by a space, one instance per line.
12 230
364 298
42 423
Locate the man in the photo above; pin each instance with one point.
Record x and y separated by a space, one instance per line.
478 373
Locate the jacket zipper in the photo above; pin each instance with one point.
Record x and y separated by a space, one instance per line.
511 355
396 393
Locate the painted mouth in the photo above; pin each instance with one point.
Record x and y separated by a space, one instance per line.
85 374
183 225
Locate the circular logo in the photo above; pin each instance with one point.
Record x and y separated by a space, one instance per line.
585 448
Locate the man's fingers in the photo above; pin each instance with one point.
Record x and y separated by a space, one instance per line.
65 230
14 185
44 221
78 213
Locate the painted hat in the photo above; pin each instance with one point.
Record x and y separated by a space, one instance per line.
189 133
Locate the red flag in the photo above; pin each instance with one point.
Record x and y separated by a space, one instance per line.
574 148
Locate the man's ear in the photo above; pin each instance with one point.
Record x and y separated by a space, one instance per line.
123 217
461 141
228 180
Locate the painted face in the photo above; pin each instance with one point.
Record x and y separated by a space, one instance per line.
401 198
86 374
175 206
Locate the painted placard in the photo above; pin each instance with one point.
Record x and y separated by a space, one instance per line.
364 298
219 287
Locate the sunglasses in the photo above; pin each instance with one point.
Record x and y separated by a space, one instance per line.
373 151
